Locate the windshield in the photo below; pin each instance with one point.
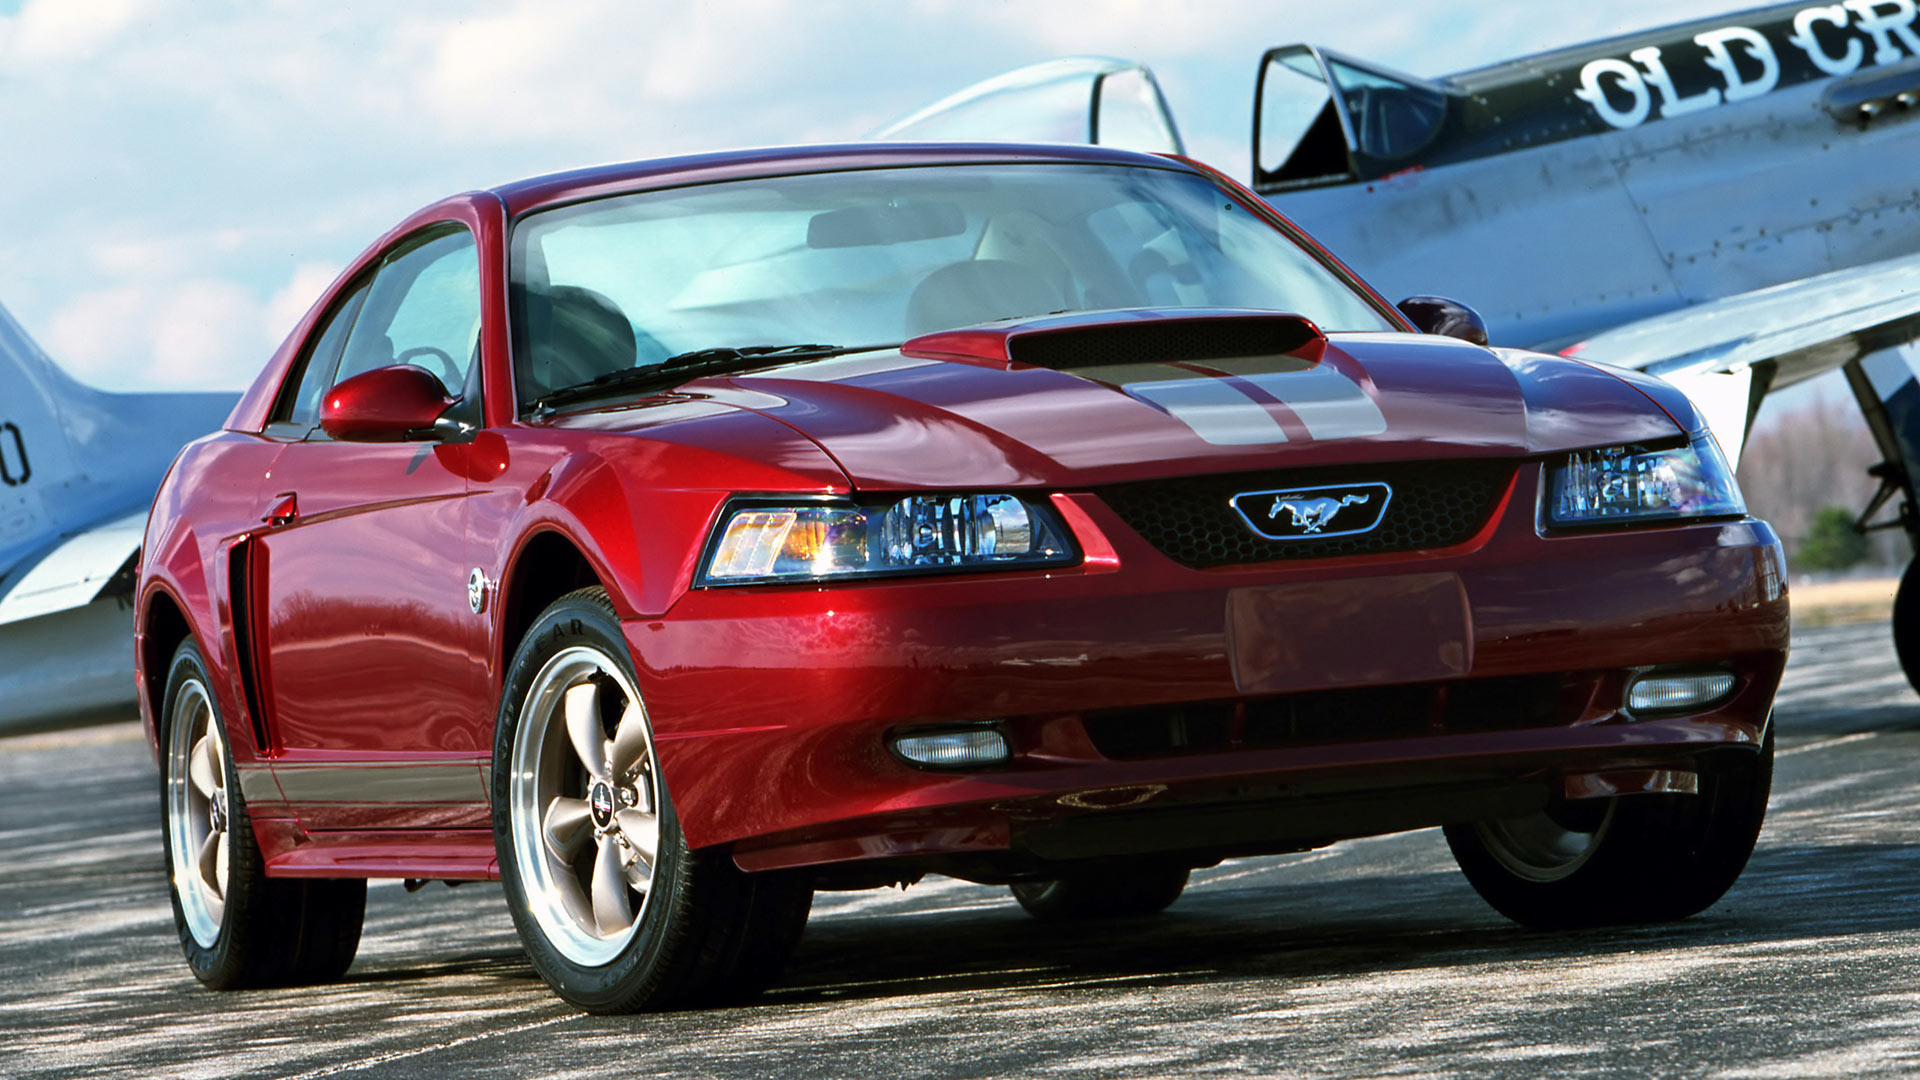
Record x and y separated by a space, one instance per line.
877 257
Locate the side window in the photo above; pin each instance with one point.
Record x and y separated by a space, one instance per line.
423 308
300 400
1298 141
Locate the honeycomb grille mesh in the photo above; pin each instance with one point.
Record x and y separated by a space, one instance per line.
1191 521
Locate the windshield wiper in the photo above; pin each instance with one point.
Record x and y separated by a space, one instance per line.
687 366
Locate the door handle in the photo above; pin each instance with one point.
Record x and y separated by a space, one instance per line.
284 508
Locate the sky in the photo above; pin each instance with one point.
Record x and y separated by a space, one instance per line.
179 179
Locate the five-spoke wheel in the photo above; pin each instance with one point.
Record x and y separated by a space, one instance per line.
198 812
1630 859
237 926
615 911
584 806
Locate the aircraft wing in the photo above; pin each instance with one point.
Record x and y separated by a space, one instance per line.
1783 334
82 568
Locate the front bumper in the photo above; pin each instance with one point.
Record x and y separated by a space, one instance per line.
1153 708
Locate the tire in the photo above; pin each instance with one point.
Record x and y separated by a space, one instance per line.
238 927
615 912
1115 892
1632 859
1906 623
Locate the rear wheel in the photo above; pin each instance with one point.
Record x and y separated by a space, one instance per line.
1633 859
237 926
616 913
1906 623
1104 893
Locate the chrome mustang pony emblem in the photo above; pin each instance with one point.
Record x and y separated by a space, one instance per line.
1316 513
1312 515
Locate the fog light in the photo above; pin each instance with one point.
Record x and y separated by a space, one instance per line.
953 749
1665 693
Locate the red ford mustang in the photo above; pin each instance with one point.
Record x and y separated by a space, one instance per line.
671 540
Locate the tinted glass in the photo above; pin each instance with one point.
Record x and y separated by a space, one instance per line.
1390 118
876 257
1299 136
424 308
302 405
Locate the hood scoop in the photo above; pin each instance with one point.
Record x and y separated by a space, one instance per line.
1127 336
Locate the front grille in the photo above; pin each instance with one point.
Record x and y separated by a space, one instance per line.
1362 714
1434 505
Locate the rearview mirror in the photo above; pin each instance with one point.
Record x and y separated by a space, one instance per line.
1451 318
387 404
872 226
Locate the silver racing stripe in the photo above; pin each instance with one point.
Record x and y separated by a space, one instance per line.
1331 405
1222 411
383 782
257 785
1215 409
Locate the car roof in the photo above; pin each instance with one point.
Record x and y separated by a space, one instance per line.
523 196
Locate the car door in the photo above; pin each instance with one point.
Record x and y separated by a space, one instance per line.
371 652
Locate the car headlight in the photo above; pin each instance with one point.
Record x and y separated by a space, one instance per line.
916 534
1625 484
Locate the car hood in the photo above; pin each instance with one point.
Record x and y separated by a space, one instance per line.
1112 396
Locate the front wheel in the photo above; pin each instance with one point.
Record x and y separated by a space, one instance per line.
1632 859
238 927
615 912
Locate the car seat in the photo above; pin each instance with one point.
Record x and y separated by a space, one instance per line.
978 291
575 335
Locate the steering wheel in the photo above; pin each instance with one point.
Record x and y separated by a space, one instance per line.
449 372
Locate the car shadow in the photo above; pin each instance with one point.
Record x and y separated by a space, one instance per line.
1810 720
1350 926
506 965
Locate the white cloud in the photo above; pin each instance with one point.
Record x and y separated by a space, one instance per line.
68 30
177 172
286 306
163 334
495 77
199 331
93 334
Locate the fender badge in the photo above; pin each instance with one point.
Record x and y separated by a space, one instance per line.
477 591
1314 513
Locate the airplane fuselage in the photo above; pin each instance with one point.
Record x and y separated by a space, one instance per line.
1648 174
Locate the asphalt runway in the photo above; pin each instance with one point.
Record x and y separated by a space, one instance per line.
1370 958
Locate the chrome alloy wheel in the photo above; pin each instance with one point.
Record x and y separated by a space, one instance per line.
583 805
1541 848
198 811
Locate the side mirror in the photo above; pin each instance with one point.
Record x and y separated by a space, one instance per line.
387 404
1439 315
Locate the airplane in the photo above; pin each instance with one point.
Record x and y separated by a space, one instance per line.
1730 203
78 469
